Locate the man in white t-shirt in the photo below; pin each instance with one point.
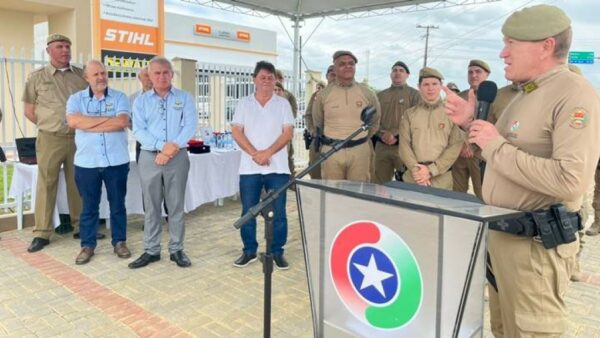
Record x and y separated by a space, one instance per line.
262 126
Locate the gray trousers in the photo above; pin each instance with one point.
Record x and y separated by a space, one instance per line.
163 183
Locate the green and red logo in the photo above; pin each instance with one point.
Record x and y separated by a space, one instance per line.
376 275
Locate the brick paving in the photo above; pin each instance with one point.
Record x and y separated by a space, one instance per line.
47 295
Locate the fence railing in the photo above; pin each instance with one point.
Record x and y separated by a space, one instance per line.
219 87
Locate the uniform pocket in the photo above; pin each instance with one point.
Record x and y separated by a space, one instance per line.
550 325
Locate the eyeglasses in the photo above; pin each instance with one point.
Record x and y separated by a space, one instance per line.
100 108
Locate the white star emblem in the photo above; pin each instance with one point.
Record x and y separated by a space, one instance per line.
372 276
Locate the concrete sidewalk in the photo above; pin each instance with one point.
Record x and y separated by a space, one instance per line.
46 294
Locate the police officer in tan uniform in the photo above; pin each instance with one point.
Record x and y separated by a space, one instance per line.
336 112
394 101
45 97
294 103
467 165
313 155
429 141
541 156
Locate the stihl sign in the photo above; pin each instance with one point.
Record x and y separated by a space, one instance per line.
129 37
123 36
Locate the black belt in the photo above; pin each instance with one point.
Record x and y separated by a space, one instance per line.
352 143
426 162
554 226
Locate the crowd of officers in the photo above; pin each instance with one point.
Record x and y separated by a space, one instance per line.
540 145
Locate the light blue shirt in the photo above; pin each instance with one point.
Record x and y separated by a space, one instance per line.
100 149
157 120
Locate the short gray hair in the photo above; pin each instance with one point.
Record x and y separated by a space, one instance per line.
161 60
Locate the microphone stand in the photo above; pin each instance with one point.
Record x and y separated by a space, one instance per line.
265 208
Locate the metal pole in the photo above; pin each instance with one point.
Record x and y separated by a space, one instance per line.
296 56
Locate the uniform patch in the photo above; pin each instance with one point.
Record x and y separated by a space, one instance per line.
515 126
529 87
359 104
442 125
579 119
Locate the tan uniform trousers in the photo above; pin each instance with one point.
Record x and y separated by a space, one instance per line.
531 279
464 168
351 164
443 181
313 156
387 158
52 151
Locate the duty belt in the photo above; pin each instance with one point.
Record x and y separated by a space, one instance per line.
352 143
553 226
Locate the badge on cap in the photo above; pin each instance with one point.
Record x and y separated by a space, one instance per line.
579 119
441 125
359 104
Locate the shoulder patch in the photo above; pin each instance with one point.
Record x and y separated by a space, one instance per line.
579 118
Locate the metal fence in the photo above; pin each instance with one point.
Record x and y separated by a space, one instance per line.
219 87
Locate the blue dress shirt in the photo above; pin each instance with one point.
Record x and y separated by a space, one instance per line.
157 120
100 149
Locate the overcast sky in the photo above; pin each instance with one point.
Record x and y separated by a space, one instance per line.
464 33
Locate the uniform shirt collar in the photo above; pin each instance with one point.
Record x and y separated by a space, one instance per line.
532 85
433 105
345 86
153 92
91 93
53 69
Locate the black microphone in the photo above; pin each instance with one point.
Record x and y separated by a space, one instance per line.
366 115
486 94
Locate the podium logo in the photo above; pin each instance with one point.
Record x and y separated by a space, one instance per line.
376 275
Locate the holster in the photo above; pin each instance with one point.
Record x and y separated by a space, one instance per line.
317 141
307 139
553 226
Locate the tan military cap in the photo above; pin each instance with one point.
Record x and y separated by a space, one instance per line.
480 64
342 53
536 23
57 37
430 72
575 69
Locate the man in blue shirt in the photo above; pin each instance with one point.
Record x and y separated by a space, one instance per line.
100 117
164 119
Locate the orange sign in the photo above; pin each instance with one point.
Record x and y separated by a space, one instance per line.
128 37
203 29
245 36
116 29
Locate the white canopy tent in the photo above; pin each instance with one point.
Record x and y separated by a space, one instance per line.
298 10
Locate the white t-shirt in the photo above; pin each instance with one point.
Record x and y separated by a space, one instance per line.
262 126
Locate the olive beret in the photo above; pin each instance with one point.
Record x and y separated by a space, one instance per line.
536 23
342 53
57 37
401 64
481 64
430 72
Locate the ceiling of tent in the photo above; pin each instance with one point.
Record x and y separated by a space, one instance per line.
303 9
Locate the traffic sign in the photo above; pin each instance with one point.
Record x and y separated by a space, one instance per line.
581 57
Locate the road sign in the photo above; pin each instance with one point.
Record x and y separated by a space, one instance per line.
581 57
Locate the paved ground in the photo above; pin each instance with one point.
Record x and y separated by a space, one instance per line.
46 294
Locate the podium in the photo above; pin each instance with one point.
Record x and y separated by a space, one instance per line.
395 260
